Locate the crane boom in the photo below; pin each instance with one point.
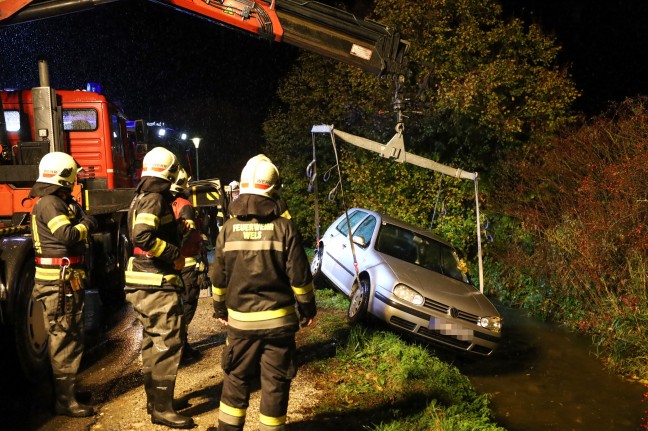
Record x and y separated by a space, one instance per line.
308 25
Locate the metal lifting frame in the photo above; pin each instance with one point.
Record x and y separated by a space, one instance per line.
395 150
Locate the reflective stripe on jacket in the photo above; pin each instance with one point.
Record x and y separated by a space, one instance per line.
153 229
259 272
57 232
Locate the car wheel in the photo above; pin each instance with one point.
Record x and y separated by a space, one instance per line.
30 334
316 265
359 302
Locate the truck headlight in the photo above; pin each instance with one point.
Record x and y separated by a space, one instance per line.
408 294
493 323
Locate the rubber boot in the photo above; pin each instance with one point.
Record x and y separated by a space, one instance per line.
189 353
66 402
149 388
163 411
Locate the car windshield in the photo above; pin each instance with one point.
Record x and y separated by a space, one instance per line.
420 250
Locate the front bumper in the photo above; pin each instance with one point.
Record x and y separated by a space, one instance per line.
455 332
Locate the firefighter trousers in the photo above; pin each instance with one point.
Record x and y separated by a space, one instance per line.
160 313
65 327
246 359
190 294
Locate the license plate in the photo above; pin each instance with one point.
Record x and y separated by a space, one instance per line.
444 327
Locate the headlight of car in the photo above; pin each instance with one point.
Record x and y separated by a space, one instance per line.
408 294
493 323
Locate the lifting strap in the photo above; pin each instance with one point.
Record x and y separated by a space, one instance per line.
339 186
395 150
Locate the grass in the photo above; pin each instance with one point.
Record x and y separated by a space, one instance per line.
374 380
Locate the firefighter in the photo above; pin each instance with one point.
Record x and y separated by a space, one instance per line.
234 190
192 250
154 285
262 285
60 231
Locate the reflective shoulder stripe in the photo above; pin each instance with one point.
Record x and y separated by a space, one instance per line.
35 235
82 230
271 421
166 219
191 224
58 222
158 247
190 261
147 219
253 245
286 214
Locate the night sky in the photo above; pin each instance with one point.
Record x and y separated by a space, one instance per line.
219 83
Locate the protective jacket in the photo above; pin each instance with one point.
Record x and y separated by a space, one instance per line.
192 240
154 234
261 272
59 229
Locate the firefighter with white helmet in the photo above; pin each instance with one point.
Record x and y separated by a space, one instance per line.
154 285
60 231
234 190
195 267
262 284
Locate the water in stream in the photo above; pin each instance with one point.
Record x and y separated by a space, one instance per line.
544 378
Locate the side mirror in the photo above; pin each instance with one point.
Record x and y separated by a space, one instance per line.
358 240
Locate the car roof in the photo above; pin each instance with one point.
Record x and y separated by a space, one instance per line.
400 223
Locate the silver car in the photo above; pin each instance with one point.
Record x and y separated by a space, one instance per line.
407 277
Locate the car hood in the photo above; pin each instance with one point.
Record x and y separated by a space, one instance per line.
438 287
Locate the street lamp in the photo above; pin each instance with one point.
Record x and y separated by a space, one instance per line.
196 142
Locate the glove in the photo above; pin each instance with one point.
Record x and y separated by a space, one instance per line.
203 281
220 312
90 223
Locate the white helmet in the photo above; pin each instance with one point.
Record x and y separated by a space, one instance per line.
58 168
234 185
260 177
181 183
160 163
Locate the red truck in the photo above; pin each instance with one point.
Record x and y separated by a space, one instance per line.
95 132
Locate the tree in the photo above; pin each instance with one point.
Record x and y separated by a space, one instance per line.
477 88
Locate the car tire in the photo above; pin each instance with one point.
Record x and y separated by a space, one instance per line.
316 266
30 334
359 302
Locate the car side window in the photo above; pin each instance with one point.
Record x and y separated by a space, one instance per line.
366 229
354 218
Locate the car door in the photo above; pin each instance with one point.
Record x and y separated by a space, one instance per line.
337 264
362 236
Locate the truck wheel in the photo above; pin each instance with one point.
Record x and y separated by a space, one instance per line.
30 334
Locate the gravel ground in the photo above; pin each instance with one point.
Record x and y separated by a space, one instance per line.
198 385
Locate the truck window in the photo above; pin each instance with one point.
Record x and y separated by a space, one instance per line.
12 120
78 120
